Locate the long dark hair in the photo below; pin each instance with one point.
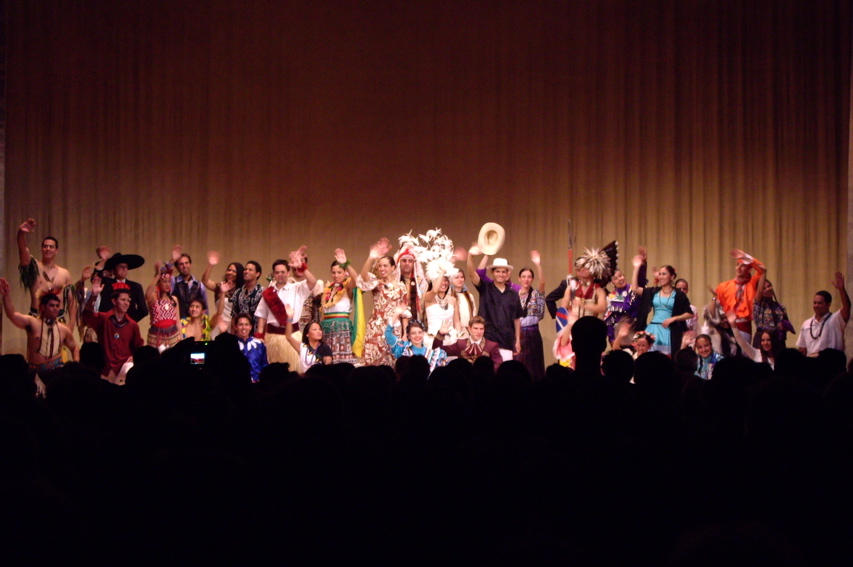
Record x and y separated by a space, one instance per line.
240 281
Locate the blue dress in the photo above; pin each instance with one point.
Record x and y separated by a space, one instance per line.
663 311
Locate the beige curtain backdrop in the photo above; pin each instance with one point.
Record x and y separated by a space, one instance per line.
253 127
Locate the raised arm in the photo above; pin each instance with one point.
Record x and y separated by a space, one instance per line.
747 348
540 274
379 248
151 290
220 304
213 259
845 299
24 255
472 269
288 332
638 262
341 258
299 263
71 344
17 319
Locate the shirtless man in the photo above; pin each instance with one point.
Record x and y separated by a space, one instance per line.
45 335
45 276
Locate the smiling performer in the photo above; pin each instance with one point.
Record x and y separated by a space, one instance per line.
825 329
380 277
336 308
45 336
118 265
738 294
118 333
46 276
500 305
272 316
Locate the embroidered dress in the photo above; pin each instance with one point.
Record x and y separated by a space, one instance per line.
386 298
767 314
435 356
336 323
532 353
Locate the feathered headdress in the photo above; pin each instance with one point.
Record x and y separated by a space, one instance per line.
596 261
433 251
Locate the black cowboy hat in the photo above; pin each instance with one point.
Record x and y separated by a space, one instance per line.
133 261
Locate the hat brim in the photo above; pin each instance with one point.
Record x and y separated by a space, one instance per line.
133 261
507 266
491 238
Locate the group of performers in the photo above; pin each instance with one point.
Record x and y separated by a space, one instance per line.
421 306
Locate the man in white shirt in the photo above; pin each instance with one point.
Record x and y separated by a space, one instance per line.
281 304
825 329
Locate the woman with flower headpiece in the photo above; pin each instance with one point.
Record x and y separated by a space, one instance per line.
585 295
380 277
336 308
671 307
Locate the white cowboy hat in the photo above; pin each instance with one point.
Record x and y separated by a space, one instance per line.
491 238
499 263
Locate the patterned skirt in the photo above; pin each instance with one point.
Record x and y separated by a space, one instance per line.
532 353
165 337
337 333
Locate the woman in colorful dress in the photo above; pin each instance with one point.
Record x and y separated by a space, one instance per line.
414 344
380 277
708 358
532 353
233 275
769 315
163 307
336 309
671 307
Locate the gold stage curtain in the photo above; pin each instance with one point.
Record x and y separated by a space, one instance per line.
689 126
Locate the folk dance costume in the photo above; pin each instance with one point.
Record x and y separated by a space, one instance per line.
386 298
256 351
272 308
705 365
532 353
164 332
467 309
336 323
768 314
622 305
435 356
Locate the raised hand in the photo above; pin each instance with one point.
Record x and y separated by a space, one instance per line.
4 287
213 257
380 248
535 257
838 282
28 226
340 256
445 327
474 250
460 254
225 287
87 273
177 250
97 286
295 260
103 252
